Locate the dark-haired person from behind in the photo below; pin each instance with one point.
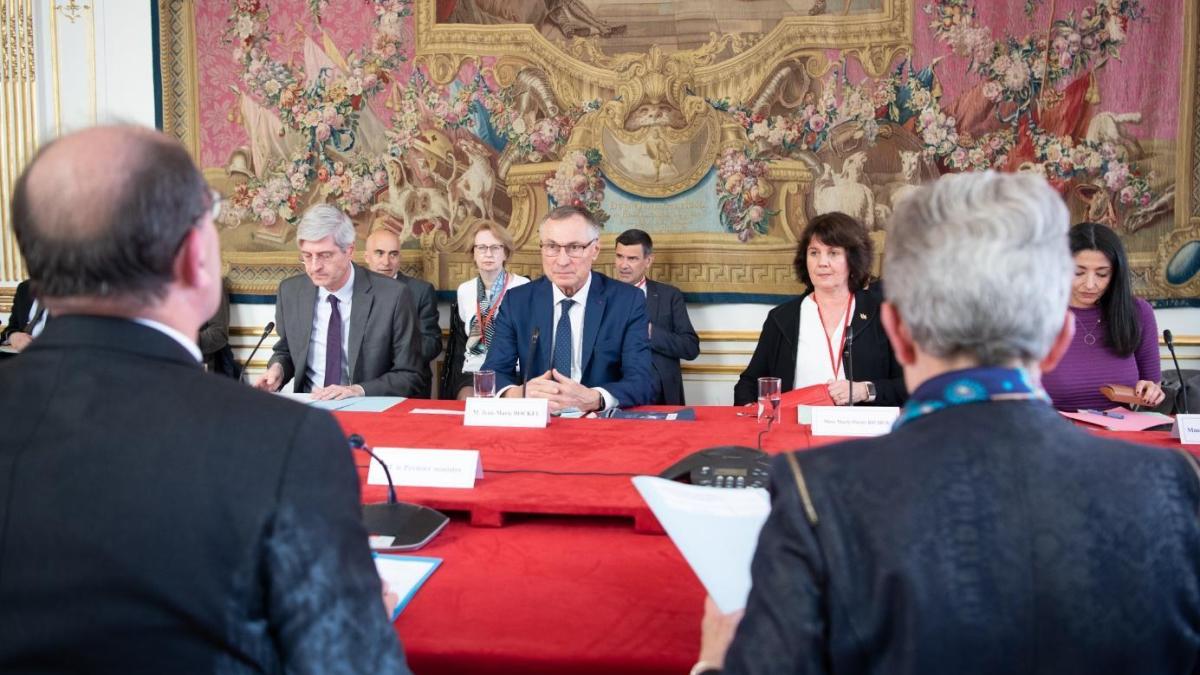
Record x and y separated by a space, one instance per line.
804 341
1116 336
154 518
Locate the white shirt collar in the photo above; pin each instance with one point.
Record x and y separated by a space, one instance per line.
580 296
183 340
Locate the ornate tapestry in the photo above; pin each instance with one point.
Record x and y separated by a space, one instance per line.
719 126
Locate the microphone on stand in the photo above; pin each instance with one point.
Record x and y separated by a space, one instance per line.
533 342
410 525
1178 373
266 331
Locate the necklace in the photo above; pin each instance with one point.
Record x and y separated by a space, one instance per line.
1089 339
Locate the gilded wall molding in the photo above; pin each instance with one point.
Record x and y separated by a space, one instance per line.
18 115
180 82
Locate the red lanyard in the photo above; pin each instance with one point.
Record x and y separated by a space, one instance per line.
836 363
485 319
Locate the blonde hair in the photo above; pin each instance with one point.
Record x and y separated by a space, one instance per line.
498 231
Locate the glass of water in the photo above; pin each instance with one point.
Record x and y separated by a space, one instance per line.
485 383
769 391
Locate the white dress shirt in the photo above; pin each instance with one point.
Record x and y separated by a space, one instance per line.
576 319
314 370
812 349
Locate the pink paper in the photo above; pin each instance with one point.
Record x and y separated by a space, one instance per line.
1132 421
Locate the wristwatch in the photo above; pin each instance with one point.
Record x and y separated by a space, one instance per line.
870 392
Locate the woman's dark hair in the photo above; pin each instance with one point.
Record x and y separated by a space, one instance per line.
1116 305
838 229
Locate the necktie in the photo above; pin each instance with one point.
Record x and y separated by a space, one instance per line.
333 344
562 339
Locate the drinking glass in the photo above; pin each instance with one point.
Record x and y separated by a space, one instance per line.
768 399
485 383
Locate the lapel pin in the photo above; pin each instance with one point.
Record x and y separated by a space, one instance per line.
862 316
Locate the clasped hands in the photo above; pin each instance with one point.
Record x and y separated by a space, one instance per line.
561 391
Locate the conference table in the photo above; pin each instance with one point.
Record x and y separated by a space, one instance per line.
552 563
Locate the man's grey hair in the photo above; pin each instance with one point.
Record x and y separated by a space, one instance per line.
564 212
978 265
323 220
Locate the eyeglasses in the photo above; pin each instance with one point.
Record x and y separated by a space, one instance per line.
324 257
494 249
551 249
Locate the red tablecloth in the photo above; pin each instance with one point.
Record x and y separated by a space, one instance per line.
563 469
553 595
557 594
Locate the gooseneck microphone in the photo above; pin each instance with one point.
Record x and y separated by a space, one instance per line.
358 443
533 342
266 331
1178 373
410 526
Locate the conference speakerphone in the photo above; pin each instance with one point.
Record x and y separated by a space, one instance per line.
726 466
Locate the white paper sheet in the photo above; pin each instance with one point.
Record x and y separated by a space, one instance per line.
716 530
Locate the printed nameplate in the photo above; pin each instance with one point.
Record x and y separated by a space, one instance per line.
425 467
507 412
852 420
1186 429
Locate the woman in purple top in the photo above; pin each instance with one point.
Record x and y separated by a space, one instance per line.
1116 337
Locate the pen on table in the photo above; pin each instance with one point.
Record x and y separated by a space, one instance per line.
1105 413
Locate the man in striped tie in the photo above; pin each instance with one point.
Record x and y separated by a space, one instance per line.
575 337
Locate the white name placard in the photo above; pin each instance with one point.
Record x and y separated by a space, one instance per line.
852 420
426 467
507 412
1186 429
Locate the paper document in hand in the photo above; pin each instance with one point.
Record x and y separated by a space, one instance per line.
403 575
716 530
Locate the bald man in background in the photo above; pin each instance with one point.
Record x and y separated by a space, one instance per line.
383 257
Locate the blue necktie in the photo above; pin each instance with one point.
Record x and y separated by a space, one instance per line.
333 344
561 359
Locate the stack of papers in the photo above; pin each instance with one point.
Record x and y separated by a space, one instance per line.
1120 419
355 404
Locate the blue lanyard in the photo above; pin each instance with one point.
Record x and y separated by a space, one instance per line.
971 385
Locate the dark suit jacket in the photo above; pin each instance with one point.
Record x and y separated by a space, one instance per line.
22 303
671 338
431 333
616 350
155 518
384 344
985 538
775 355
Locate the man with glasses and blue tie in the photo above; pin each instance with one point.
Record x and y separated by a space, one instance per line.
591 352
343 329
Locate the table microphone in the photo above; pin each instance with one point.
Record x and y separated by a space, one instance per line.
1178 373
266 331
849 356
410 525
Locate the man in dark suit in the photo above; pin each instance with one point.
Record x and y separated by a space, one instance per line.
155 518
985 534
671 334
343 330
26 321
593 351
383 257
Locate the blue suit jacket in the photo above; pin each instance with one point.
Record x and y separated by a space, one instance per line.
616 345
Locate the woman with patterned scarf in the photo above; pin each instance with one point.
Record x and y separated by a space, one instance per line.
473 314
